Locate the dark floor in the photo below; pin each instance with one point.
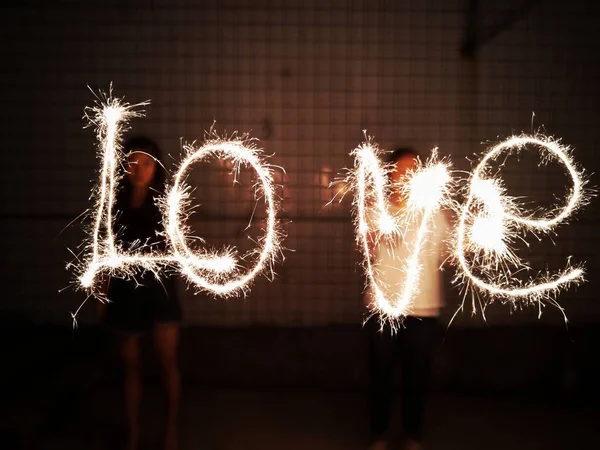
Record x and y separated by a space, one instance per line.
276 388
248 420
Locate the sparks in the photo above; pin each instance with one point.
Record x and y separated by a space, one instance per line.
489 221
217 273
424 191
220 273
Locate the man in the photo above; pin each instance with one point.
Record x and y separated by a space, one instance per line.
415 339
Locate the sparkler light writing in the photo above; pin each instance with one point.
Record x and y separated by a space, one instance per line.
423 191
222 268
489 222
218 273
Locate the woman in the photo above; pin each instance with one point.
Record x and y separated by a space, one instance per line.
144 304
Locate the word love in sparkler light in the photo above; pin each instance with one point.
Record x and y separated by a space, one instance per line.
489 221
218 273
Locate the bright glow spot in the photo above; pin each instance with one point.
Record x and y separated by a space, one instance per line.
426 187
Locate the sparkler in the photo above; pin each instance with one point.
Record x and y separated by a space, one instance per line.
219 273
423 191
489 222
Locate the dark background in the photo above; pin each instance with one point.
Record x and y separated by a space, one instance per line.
306 78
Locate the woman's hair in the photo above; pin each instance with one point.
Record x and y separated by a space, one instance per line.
157 185
150 147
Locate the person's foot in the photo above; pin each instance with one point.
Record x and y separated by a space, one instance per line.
411 444
379 445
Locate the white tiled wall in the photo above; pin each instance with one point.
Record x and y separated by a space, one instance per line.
306 78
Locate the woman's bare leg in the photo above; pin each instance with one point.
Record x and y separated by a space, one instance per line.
129 348
166 340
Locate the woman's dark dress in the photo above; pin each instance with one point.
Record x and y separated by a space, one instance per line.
135 305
